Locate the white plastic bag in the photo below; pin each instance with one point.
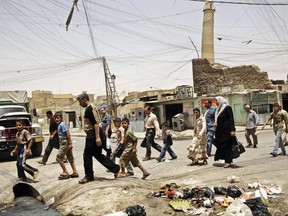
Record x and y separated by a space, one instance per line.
108 143
238 208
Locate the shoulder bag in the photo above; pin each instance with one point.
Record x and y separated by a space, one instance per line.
237 148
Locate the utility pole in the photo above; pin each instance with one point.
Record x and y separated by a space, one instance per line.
111 93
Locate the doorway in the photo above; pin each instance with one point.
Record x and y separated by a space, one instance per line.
172 110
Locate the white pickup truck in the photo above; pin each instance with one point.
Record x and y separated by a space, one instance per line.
8 116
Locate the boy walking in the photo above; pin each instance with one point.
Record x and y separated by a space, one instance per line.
120 140
129 153
53 138
167 143
65 148
23 137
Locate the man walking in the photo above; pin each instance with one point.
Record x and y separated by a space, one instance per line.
210 129
279 119
252 121
105 131
53 138
152 128
93 142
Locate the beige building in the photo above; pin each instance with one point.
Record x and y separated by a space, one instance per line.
42 101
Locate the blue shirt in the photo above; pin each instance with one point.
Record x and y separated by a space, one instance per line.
210 117
62 129
105 121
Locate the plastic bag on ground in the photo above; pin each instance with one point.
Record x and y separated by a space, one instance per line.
234 191
238 208
220 190
258 207
136 210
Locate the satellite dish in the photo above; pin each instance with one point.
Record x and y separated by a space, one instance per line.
122 95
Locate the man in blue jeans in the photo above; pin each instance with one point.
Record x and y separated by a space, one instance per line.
210 121
279 119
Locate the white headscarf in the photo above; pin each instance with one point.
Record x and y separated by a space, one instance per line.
222 104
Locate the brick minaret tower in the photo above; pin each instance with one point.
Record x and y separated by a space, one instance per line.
208 32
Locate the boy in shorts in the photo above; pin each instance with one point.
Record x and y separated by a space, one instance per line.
120 140
65 148
129 153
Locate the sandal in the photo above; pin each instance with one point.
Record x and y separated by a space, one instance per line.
227 165
120 175
61 177
205 162
145 176
74 176
194 163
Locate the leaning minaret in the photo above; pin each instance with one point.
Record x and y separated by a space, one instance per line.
208 32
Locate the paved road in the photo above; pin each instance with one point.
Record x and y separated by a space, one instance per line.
252 162
253 165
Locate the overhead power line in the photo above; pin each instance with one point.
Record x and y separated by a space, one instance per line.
243 3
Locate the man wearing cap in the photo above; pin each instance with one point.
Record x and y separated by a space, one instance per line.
93 142
251 126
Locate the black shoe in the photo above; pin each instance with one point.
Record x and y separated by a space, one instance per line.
282 153
248 146
86 180
158 159
254 146
129 174
174 158
42 162
273 154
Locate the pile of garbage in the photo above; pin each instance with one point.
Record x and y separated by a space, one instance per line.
229 201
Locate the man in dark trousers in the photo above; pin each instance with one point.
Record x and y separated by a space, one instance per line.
105 130
53 138
152 130
93 142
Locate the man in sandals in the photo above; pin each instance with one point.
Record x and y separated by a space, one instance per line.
93 143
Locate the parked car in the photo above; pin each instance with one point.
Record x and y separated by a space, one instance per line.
8 116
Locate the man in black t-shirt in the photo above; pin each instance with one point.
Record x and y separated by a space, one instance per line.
93 143
53 139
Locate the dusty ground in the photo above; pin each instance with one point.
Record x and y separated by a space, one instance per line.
106 195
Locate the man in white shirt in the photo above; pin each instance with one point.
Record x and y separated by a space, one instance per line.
152 129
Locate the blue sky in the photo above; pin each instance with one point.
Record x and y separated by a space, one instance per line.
146 43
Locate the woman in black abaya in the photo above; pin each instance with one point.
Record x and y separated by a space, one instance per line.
225 131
